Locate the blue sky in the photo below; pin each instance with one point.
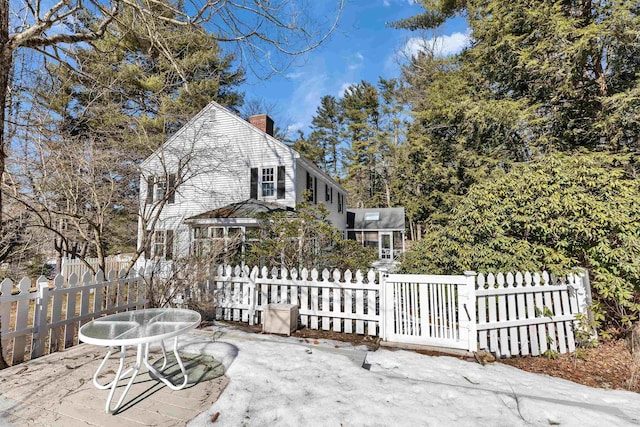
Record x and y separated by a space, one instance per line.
361 48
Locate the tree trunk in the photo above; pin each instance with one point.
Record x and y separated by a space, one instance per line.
5 60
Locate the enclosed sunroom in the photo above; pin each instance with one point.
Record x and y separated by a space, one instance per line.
379 228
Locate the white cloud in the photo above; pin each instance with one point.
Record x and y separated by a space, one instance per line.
355 61
294 75
343 89
441 46
386 3
305 98
292 129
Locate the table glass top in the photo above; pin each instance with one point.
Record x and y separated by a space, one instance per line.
140 324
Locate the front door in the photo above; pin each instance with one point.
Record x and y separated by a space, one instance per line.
386 246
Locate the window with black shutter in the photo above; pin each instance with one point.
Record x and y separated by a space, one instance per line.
281 182
254 183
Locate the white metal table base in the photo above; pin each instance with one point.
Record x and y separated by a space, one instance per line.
142 356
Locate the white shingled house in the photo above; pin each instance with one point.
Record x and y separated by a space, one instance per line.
215 174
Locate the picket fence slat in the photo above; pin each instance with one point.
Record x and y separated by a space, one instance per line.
522 314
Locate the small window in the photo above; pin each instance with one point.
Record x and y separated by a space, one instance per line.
252 233
216 232
161 188
163 244
158 243
372 216
268 182
234 233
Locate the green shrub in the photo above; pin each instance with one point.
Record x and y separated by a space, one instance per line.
306 239
561 212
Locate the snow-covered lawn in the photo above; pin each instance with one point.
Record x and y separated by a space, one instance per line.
287 381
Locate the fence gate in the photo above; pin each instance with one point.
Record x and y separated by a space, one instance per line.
430 310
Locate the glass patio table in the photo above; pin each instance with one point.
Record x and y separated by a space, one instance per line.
138 328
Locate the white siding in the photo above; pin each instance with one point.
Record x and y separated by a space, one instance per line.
338 219
217 150
220 149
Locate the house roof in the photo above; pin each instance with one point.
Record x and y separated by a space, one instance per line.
375 219
215 106
250 208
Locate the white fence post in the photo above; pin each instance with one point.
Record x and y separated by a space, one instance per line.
40 323
251 277
467 304
581 285
386 309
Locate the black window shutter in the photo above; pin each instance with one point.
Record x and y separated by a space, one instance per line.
339 202
150 185
309 187
326 192
171 184
315 189
281 180
254 183
331 195
168 250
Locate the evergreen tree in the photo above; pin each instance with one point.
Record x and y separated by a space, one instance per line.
482 164
569 67
133 91
308 148
144 85
360 107
357 139
326 128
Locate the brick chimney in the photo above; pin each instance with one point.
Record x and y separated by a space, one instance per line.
262 122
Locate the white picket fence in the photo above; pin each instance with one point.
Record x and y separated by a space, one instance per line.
326 301
38 318
528 313
507 314
80 267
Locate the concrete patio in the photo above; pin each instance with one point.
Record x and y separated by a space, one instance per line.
293 381
57 390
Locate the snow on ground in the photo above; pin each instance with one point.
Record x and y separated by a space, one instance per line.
286 381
